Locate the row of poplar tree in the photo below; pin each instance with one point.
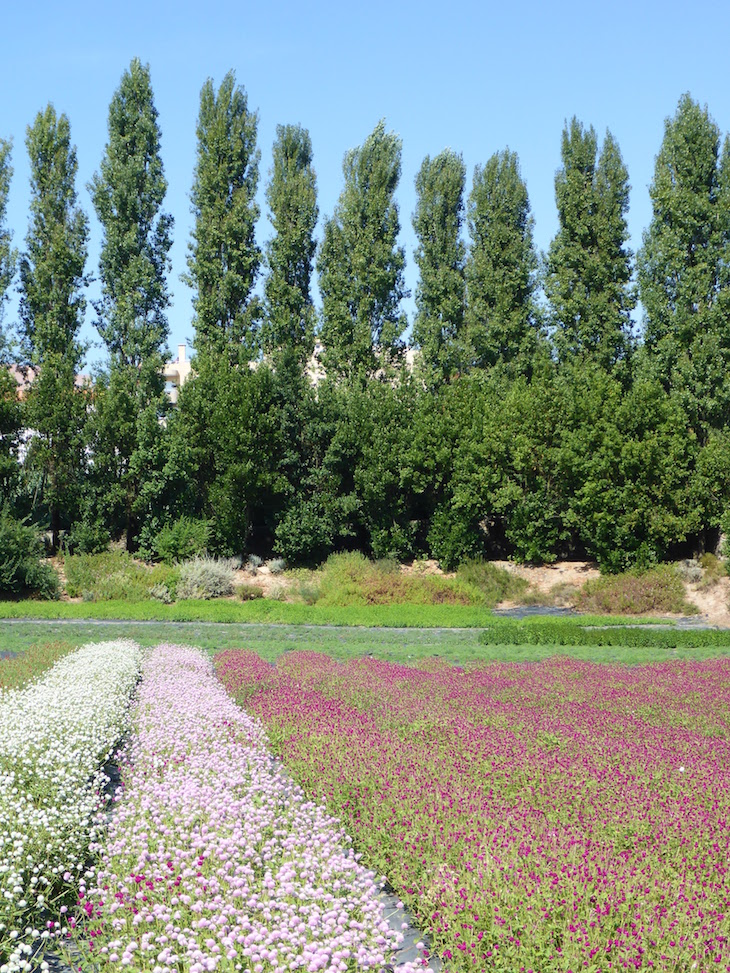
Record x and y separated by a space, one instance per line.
534 423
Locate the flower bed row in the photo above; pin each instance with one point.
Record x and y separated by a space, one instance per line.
213 859
17 670
55 737
546 817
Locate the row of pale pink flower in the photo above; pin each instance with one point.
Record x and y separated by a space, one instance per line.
214 859
538 817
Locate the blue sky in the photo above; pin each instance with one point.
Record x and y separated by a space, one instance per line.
473 76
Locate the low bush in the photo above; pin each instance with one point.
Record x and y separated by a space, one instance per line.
248 592
276 565
184 539
495 583
22 570
206 577
713 569
651 592
114 575
351 579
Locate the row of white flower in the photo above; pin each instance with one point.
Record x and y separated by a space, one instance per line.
55 737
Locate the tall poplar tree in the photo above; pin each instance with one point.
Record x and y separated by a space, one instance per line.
292 198
440 257
8 256
684 263
9 411
128 193
52 308
501 328
360 263
223 259
589 270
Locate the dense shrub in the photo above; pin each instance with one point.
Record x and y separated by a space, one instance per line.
184 539
21 569
87 537
636 593
206 577
495 583
352 579
114 575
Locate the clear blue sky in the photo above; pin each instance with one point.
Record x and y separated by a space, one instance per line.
474 76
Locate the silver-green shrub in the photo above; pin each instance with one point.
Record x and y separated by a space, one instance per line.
206 577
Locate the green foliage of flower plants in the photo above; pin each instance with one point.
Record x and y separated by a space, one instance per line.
559 632
17 670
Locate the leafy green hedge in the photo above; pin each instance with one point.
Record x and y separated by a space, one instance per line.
570 633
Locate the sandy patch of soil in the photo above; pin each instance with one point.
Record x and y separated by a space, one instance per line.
712 601
270 584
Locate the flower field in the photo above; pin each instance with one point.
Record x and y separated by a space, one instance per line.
215 860
558 816
55 737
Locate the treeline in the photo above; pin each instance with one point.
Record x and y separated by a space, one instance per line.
534 422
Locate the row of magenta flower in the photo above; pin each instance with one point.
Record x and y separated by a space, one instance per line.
546 817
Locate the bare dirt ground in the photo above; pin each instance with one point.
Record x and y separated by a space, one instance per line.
712 602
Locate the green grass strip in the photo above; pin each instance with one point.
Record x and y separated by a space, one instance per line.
261 611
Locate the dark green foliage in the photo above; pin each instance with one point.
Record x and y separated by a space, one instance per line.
9 435
683 268
232 455
292 198
631 466
502 322
8 256
182 539
89 536
588 282
437 328
22 571
360 264
224 259
127 194
52 308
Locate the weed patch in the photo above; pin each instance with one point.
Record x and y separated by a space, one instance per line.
113 575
